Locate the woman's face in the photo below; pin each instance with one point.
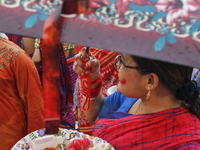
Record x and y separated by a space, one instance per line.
131 82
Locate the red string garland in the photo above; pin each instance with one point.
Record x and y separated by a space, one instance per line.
88 93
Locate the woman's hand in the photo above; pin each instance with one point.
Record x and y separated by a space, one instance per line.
84 66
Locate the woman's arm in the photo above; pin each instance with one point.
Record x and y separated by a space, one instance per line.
36 58
84 67
95 105
28 44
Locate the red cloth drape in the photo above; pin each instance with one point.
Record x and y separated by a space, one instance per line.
170 129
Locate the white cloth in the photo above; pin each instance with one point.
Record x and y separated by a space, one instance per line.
3 35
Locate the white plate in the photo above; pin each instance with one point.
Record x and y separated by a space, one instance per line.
95 142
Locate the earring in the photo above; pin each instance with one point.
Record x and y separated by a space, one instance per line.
148 94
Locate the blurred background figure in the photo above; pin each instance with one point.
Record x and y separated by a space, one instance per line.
67 79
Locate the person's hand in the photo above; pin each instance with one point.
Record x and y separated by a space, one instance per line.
83 65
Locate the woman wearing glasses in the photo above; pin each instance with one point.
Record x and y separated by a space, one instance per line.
156 106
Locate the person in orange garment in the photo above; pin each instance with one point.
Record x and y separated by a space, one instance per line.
26 43
21 100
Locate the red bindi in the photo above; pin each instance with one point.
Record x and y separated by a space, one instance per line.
123 81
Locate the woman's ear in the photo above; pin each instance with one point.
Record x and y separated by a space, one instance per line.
152 81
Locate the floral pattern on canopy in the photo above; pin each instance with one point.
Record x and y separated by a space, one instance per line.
158 29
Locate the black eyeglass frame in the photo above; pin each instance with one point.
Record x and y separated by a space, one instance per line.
120 59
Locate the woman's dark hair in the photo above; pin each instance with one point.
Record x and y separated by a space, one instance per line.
176 78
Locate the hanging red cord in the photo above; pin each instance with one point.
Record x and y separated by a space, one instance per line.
87 91
87 95
89 88
90 93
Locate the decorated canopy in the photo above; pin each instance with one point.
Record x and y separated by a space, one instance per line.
159 29
167 30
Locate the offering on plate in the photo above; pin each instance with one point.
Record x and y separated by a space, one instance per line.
64 140
47 141
51 142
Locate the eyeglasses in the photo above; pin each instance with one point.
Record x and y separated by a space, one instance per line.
118 63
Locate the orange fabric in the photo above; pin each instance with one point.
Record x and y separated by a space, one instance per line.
21 99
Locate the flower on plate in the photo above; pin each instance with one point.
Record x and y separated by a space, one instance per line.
79 144
177 9
41 132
